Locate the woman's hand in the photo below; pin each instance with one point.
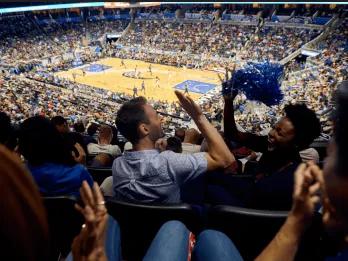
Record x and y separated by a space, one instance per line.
90 243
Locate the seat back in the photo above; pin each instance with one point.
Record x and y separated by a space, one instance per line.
64 224
320 146
99 174
249 229
140 223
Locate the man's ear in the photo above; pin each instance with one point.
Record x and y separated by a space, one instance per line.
143 130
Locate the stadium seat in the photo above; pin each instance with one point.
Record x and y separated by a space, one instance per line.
249 229
64 224
321 147
139 223
99 174
89 159
250 167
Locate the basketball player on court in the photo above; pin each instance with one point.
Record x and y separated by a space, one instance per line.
135 92
157 82
186 89
150 69
123 64
143 87
83 73
135 69
74 76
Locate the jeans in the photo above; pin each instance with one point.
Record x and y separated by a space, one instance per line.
215 245
171 244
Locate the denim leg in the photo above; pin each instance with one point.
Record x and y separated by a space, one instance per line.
213 245
170 243
113 240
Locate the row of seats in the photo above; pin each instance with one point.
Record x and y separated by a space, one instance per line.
99 174
251 230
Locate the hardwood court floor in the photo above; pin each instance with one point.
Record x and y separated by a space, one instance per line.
112 78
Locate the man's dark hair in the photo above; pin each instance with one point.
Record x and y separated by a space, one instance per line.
92 129
306 124
58 120
129 117
174 144
40 142
7 132
79 127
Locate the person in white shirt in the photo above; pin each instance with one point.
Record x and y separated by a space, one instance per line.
191 139
104 143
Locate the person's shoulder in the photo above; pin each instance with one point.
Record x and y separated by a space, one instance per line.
115 147
92 145
167 153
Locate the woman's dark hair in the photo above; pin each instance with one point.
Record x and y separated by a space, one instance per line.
174 144
40 142
306 124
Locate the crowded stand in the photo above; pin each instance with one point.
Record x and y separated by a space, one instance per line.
105 158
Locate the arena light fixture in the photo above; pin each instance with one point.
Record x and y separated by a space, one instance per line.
48 7
260 2
130 5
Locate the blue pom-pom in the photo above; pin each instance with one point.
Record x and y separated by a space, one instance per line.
258 81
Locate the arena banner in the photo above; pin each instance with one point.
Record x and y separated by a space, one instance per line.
239 18
321 20
150 16
169 15
199 16
283 17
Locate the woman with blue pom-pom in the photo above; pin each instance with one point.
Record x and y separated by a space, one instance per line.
272 184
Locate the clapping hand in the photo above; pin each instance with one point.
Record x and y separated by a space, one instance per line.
186 102
308 184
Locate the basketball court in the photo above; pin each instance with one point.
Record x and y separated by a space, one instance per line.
112 75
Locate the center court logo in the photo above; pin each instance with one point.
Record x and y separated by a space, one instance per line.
96 67
195 86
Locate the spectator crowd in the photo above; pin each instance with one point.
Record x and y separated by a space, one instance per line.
220 150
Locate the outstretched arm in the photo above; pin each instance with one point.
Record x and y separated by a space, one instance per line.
230 127
218 154
308 181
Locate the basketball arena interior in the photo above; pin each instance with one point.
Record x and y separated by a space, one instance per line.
173 131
